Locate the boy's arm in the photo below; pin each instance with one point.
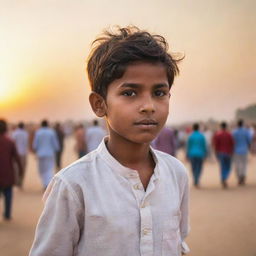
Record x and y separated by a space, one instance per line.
184 223
58 229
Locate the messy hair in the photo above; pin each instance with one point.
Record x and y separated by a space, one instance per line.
113 52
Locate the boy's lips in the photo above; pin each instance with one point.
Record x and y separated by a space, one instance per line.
146 122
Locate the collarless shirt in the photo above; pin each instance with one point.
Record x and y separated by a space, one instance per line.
96 207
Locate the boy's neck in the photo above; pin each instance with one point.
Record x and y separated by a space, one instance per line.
129 154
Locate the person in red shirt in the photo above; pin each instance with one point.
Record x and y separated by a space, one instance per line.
223 144
8 157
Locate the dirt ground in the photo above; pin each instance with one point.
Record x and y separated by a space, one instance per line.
223 222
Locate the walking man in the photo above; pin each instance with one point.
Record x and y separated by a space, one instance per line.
8 157
46 145
94 136
223 144
196 153
242 140
20 137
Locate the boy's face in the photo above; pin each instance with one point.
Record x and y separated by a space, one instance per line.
137 104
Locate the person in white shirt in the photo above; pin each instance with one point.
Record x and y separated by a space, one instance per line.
124 198
46 144
94 136
20 137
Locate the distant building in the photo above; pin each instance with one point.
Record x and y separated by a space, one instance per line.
248 113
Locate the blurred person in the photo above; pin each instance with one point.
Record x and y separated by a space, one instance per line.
80 141
60 136
166 141
32 128
94 136
242 141
8 157
253 141
223 144
208 134
124 198
21 137
46 145
196 153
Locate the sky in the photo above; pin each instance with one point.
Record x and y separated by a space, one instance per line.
44 47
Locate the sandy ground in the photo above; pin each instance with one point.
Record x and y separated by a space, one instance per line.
223 222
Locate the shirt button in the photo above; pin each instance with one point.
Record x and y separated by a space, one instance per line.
137 186
145 231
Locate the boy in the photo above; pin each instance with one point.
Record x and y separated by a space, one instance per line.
124 198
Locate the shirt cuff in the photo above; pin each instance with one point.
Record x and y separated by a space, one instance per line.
184 248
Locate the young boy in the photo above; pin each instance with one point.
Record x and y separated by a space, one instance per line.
124 198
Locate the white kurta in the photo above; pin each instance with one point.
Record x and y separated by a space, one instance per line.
97 207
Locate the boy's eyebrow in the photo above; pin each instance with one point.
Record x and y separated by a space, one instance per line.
129 85
162 85
134 85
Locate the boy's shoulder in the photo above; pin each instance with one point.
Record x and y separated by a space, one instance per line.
78 170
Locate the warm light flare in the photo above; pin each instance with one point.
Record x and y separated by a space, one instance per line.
6 90
11 91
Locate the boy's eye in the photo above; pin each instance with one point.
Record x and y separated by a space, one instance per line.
129 93
160 93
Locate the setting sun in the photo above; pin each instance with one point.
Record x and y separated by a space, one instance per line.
5 89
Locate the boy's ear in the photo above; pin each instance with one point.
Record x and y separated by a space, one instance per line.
98 104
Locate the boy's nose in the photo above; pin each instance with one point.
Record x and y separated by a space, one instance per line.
147 106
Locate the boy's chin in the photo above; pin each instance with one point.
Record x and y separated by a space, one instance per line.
144 139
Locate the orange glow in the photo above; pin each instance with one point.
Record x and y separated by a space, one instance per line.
12 92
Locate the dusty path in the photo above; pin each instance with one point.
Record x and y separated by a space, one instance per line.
223 222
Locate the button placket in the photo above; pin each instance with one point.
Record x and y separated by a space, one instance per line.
136 186
146 239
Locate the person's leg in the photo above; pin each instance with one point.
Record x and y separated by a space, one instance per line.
46 166
243 162
227 166
221 164
60 159
48 172
57 158
23 163
193 168
8 202
226 161
199 165
237 164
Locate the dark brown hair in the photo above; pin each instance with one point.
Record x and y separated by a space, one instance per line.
115 51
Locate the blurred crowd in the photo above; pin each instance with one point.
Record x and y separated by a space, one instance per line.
229 144
47 142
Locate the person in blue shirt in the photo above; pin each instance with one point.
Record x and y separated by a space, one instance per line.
242 141
196 152
46 145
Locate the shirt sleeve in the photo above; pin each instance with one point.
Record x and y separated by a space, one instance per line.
184 223
58 229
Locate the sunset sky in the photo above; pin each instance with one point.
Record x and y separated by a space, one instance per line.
44 46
